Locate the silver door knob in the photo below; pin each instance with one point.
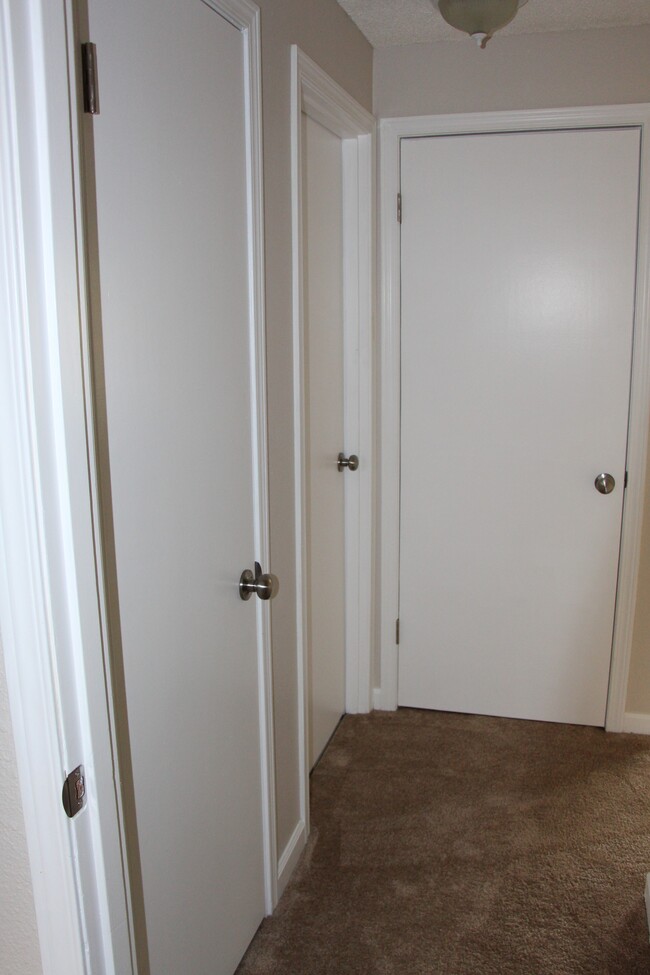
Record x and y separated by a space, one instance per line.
351 462
263 584
605 483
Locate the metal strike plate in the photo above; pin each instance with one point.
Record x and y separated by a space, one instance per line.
74 792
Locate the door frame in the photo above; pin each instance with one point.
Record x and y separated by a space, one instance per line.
391 132
52 601
314 93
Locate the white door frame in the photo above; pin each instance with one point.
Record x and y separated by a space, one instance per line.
314 93
392 131
51 586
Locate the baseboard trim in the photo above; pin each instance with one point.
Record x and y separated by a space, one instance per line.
638 724
647 901
378 702
290 856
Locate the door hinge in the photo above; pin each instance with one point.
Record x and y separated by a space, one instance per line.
399 207
74 791
625 481
397 632
89 78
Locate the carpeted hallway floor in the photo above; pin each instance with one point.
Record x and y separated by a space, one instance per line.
448 844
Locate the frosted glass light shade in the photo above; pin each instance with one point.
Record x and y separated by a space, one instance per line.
478 17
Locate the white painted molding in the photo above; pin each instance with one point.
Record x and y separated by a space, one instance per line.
59 714
291 855
59 711
246 16
25 614
636 724
392 131
326 102
315 94
299 445
358 318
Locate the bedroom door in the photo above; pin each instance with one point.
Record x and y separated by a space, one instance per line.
169 230
518 275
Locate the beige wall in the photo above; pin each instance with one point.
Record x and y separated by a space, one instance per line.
19 948
528 71
589 67
326 34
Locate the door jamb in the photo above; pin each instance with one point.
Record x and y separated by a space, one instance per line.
391 132
313 92
51 599
52 632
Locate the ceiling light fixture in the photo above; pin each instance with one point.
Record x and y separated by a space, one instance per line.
478 18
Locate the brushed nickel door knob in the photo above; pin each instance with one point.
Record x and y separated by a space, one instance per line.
263 584
351 462
605 483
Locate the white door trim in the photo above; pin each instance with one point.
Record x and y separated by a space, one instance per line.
51 587
52 632
391 133
246 17
314 93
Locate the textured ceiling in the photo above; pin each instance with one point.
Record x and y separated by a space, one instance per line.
386 22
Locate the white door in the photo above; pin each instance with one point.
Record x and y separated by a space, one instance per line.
518 275
172 346
322 211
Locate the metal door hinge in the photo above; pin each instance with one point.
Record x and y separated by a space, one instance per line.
89 78
397 632
399 207
74 791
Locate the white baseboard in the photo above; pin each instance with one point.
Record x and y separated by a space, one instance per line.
378 702
633 723
647 901
290 856
638 724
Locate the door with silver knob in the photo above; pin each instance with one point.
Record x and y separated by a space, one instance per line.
515 359
176 363
605 483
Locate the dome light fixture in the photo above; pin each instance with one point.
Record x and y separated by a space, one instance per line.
478 18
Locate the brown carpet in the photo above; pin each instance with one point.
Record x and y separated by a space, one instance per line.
452 844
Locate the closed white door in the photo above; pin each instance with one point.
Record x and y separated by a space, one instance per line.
172 345
322 212
518 276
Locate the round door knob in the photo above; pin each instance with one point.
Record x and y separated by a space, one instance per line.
605 483
351 462
263 584
267 586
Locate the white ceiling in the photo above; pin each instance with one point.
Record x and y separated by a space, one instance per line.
386 22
